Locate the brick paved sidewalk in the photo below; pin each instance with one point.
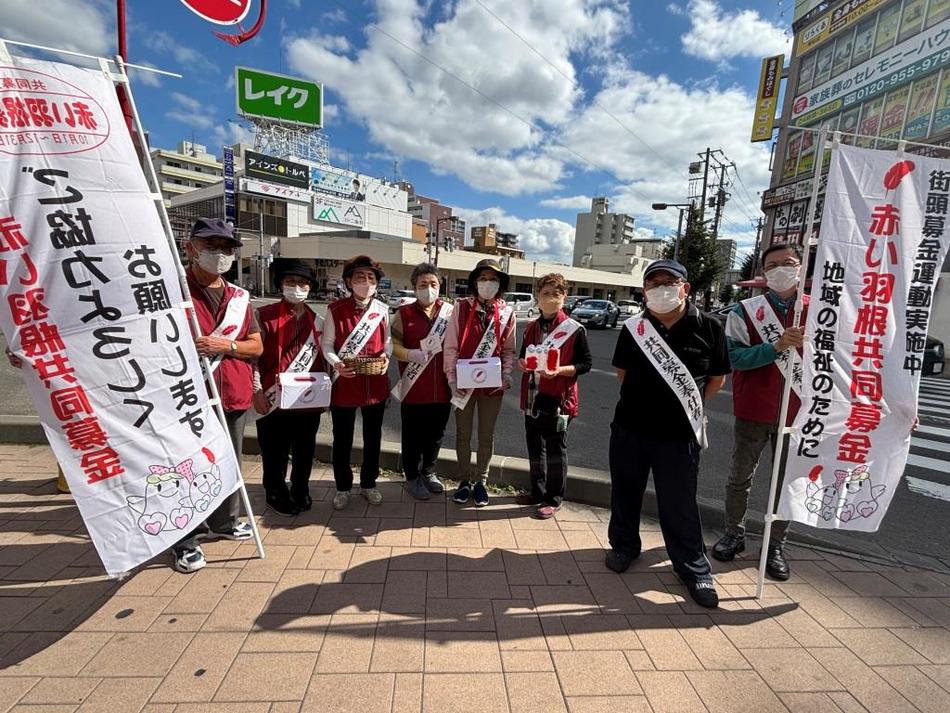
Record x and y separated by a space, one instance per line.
430 607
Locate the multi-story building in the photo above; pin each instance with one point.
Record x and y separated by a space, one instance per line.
489 240
441 224
185 169
600 227
878 71
727 253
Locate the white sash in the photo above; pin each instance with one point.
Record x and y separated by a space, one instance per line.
673 371
363 331
763 316
485 348
301 363
560 335
414 370
234 315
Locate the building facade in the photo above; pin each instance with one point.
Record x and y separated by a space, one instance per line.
600 227
489 240
187 168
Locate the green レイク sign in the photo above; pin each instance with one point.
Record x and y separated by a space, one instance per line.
267 95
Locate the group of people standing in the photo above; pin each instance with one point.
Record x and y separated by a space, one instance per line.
670 361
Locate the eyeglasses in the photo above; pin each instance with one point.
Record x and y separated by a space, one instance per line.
788 262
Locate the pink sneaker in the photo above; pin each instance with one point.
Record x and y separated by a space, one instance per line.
546 512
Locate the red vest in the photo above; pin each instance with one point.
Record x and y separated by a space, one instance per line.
431 386
357 390
233 376
469 341
282 341
562 387
757 393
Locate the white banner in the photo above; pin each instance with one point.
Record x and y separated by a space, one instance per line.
274 190
336 210
883 239
90 302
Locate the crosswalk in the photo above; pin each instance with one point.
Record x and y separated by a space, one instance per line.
928 471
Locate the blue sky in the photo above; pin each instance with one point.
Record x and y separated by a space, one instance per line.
575 98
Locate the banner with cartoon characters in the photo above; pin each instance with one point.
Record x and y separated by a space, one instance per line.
91 307
883 239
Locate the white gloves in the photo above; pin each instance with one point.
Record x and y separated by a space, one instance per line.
418 356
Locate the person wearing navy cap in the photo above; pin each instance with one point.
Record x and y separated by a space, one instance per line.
669 362
230 339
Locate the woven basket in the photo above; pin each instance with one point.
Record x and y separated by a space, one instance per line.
367 366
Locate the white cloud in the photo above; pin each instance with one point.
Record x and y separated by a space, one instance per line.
232 133
191 111
148 79
65 24
542 239
388 86
568 202
190 59
718 35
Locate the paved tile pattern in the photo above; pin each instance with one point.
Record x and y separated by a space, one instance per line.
413 607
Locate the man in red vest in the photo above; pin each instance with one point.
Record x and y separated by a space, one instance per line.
291 334
549 398
418 332
760 333
230 339
357 326
482 325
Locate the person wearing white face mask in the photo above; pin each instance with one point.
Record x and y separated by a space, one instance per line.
291 333
357 326
669 361
230 339
481 324
761 336
418 331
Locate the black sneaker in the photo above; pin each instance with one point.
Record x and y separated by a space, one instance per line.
302 500
463 492
281 504
703 591
188 559
619 562
776 566
728 547
481 494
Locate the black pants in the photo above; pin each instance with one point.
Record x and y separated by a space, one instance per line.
423 426
344 421
547 454
283 433
675 465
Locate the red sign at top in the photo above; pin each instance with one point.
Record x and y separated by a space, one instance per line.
221 12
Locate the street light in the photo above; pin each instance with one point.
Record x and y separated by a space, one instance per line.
438 236
683 207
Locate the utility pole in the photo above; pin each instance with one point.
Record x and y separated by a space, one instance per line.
702 214
758 243
720 200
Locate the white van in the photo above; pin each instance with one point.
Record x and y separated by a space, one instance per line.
523 303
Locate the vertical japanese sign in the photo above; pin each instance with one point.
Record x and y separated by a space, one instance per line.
230 214
91 304
883 238
767 98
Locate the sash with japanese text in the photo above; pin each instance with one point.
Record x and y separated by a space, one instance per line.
883 239
91 304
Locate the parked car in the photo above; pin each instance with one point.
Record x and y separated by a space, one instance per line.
523 303
597 313
571 302
399 298
934 356
629 308
722 314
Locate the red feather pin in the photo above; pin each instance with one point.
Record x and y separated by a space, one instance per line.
208 454
815 473
895 174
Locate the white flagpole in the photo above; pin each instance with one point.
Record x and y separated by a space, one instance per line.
152 179
783 431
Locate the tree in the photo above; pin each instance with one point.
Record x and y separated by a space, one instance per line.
699 254
727 294
747 267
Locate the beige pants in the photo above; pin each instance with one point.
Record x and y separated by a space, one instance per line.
488 410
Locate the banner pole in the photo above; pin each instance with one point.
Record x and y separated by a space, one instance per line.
139 136
783 431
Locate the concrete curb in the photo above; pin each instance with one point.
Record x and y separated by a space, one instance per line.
586 486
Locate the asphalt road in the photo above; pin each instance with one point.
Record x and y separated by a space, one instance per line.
916 521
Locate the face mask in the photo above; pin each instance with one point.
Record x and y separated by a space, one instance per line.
215 261
427 295
488 290
781 279
664 299
295 294
550 305
363 291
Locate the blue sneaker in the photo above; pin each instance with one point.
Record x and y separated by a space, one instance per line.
481 495
463 492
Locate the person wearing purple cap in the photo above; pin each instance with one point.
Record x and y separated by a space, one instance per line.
669 362
230 339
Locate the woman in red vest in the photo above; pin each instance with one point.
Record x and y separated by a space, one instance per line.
291 334
357 326
549 398
418 333
467 334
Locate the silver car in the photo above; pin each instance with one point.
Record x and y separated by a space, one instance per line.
523 303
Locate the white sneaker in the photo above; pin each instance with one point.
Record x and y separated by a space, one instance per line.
189 560
341 499
372 495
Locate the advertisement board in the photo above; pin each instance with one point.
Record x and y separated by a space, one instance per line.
769 79
266 95
336 210
276 170
275 190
